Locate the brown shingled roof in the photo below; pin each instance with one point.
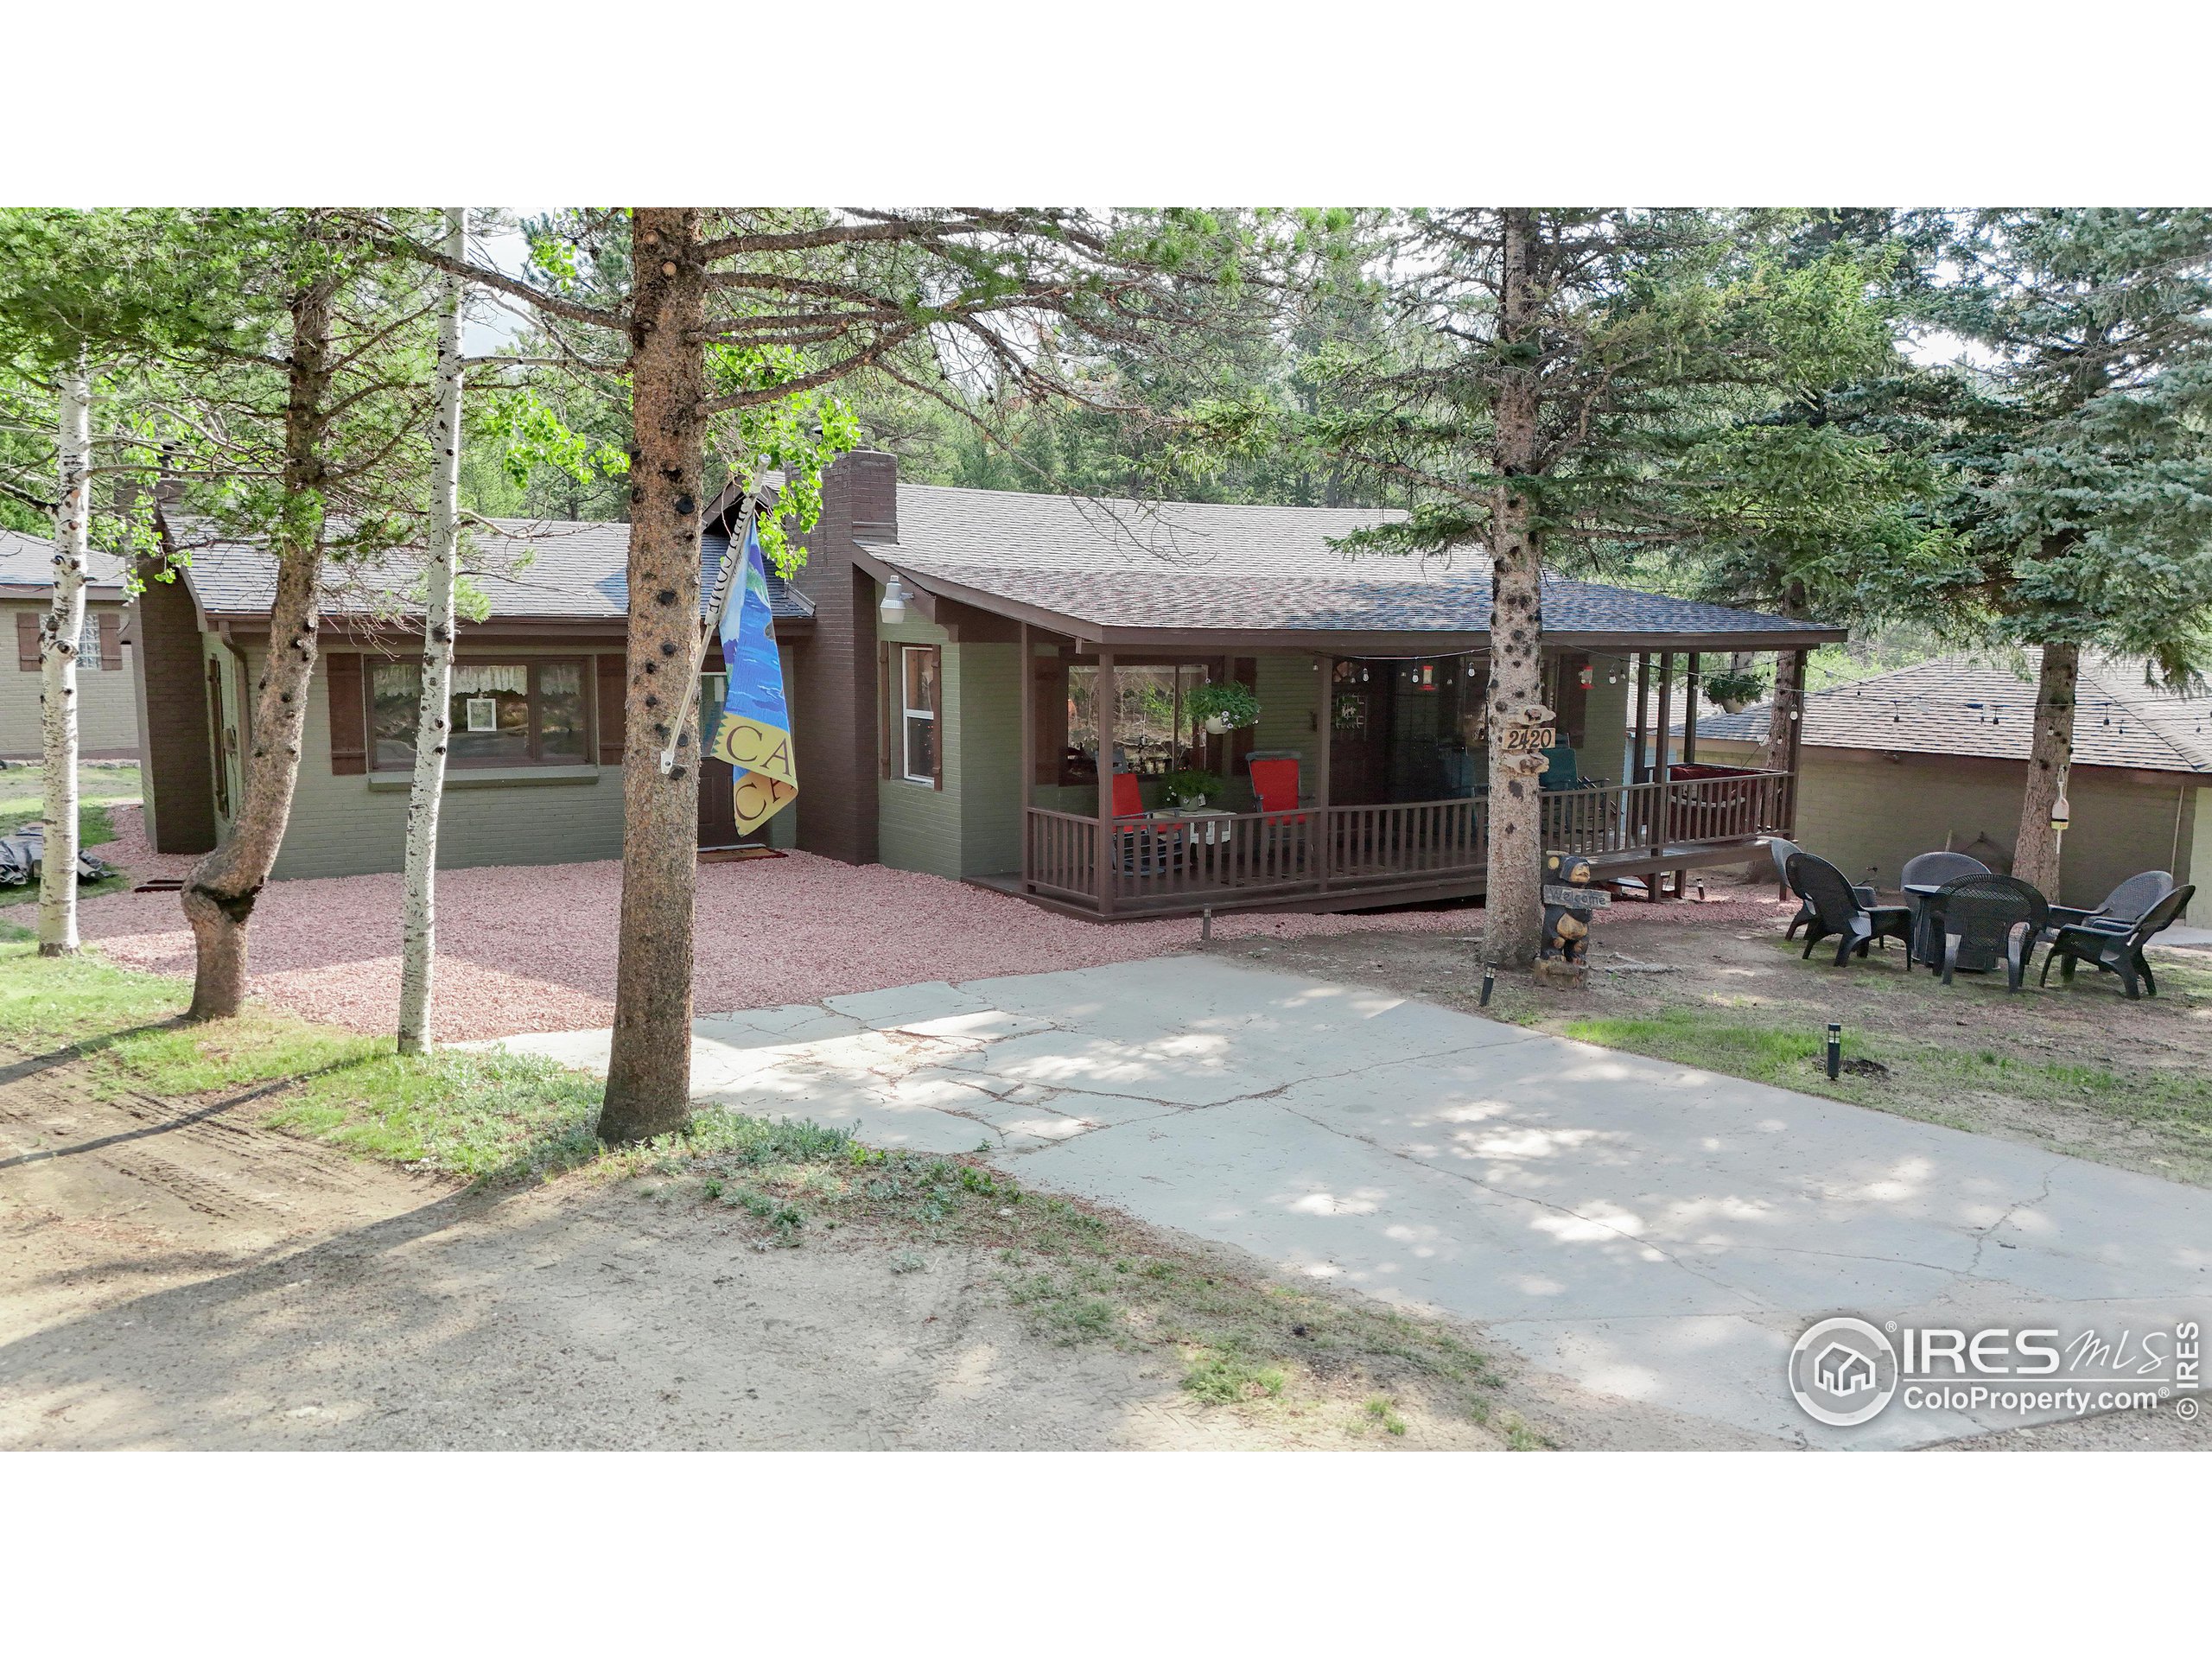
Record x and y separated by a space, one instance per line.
1956 706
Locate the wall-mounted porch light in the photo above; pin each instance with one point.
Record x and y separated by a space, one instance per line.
894 608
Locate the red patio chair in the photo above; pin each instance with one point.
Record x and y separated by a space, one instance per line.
1129 799
1275 783
1142 849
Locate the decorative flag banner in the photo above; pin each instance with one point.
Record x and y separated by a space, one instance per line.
755 735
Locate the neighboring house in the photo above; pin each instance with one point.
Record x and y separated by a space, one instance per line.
107 718
1935 756
917 745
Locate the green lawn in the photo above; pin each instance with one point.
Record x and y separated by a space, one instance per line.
2078 1068
98 787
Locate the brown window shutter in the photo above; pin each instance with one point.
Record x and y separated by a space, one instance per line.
613 695
110 640
887 719
349 724
27 641
936 747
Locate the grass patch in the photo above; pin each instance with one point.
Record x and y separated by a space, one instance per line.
479 1115
1750 1039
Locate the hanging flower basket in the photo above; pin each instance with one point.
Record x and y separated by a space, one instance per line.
1223 706
1732 692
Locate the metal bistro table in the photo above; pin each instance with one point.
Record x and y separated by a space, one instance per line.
1926 926
1198 822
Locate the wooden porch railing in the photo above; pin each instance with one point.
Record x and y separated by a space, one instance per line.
1152 864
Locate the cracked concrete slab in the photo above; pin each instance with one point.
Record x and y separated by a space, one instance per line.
1644 1228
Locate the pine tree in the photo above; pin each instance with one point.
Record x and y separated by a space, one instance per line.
730 326
2084 454
1543 373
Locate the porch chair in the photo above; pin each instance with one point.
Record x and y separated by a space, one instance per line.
2123 907
1141 848
1780 851
1563 770
1274 785
1837 909
2112 952
1983 919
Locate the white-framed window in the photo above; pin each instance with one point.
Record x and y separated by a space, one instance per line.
918 668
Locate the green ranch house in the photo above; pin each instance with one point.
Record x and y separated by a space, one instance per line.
951 657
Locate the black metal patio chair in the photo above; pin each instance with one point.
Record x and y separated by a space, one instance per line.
2123 907
1837 909
2111 952
1982 920
1780 851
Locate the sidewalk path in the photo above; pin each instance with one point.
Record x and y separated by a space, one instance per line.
1644 1231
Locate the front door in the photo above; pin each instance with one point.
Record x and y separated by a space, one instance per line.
717 778
1360 734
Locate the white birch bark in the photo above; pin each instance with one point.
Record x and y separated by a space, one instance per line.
60 639
418 945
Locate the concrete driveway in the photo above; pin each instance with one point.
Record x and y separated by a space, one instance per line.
1645 1230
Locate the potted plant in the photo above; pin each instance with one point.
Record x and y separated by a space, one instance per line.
1187 786
1224 706
1735 689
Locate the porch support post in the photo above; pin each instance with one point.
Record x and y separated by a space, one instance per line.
1643 713
1689 710
1796 749
1103 701
1324 700
1025 788
1664 763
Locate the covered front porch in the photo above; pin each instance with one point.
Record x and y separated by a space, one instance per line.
1388 772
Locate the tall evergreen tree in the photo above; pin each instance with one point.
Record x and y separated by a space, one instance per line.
2083 452
1542 374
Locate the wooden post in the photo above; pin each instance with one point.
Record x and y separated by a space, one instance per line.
1689 711
1025 791
1102 700
1796 749
1643 713
1663 760
1326 725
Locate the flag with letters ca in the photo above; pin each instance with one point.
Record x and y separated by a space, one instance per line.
755 733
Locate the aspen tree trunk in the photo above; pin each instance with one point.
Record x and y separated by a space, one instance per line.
418 923
220 891
649 1069
59 641
2051 752
1513 909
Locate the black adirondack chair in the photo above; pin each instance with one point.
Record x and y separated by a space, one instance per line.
2111 952
2123 907
1837 909
1985 920
1782 852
